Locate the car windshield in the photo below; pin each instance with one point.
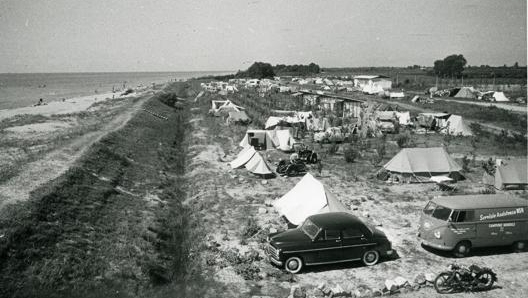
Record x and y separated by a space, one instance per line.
429 208
441 213
310 229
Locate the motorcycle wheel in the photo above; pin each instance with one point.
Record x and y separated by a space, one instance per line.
291 172
442 283
485 280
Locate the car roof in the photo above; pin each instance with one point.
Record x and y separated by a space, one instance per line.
480 201
335 220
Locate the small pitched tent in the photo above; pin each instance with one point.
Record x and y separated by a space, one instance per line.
239 117
466 92
243 157
253 162
307 197
432 120
510 173
260 139
286 139
499 96
420 164
456 126
404 118
223 107
258 166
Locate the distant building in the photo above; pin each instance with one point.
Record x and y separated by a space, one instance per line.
341 106
369 81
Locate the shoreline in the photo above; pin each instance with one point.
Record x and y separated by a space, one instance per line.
67 106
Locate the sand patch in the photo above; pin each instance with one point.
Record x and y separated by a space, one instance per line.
39 128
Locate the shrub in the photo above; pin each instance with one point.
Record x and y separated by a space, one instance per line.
351 154
465 163
332 149
489 166
251 228
402 140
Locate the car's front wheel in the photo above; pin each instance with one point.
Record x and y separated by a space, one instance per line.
293 265
370 257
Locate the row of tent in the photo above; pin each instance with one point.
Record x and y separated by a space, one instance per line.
470 92
309 196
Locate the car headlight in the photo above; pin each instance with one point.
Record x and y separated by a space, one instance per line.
437 234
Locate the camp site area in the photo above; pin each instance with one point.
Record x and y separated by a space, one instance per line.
244 198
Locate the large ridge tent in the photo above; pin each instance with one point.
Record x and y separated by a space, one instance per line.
307 197
509 173
252 161
456 126
420 164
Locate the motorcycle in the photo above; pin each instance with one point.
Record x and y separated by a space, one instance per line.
471 279
305 154
291 168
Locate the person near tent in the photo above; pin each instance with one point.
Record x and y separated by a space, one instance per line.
320 167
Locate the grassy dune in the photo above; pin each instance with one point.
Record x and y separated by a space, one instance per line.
114 225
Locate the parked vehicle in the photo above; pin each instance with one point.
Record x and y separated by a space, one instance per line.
291 168
461 279
460 223
326 238
305 154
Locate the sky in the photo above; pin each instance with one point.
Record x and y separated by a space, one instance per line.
201 35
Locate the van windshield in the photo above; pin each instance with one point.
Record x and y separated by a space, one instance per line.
441 213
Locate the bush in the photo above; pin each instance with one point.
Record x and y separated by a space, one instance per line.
465 164
351 154
251 228
489 166
332 149
402 140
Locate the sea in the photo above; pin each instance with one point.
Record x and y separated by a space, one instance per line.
25 89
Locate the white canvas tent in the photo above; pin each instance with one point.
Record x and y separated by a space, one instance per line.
404 118
456 126
268 139
499 96
257 165
265 139
252 161
306 198
286 140
243 157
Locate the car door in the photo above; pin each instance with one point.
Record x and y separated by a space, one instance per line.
326 248
354 243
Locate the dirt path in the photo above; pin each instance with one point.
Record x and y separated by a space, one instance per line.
508 107
55 163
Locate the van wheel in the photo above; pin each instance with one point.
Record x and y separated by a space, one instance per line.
293 265
519 246
370 257
462 249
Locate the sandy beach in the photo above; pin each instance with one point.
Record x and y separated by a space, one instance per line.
68 106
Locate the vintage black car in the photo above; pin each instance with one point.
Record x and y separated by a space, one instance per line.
328 238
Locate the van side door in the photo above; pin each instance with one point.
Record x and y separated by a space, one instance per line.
463 226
